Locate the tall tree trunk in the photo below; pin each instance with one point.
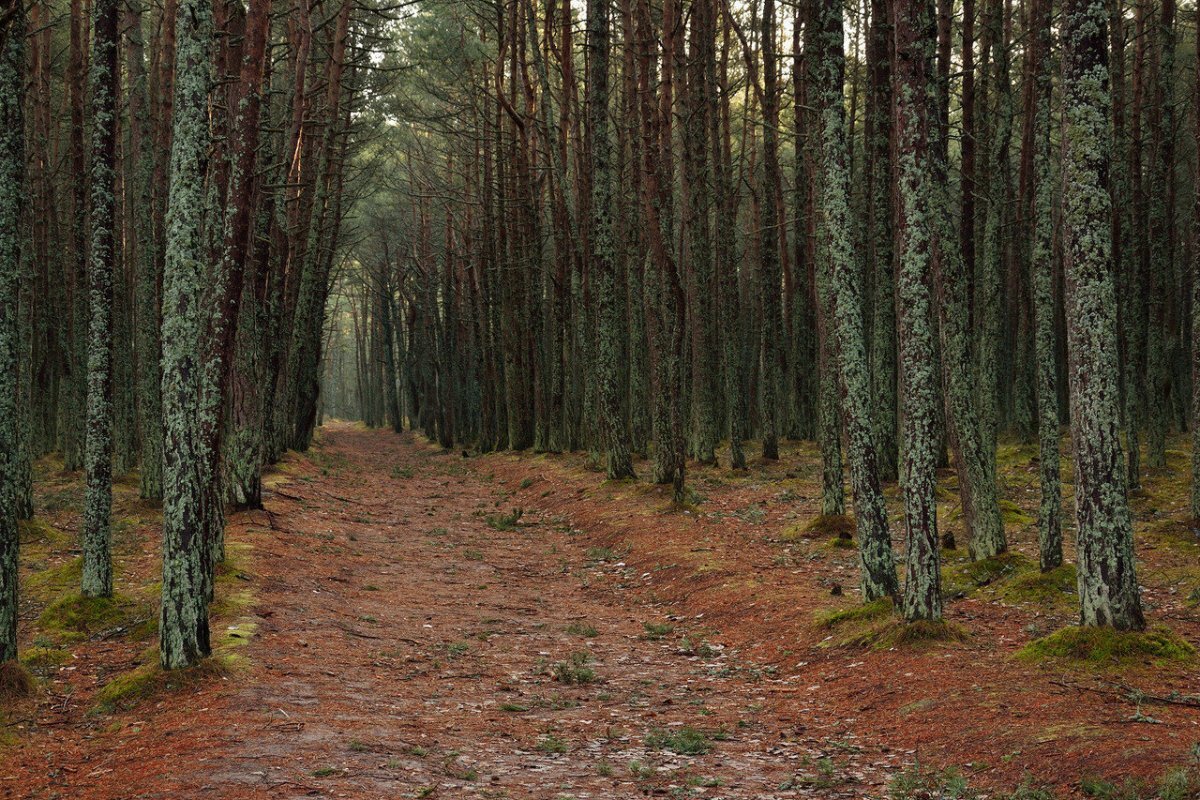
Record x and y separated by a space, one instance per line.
1042 271
603 246
770 278
97 535
1108 591
878 577
188 465
12 200
916 191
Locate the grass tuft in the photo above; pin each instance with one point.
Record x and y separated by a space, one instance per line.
15 681
898 633
685 741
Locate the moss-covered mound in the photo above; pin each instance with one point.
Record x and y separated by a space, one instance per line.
962 578
150 680
73 616
898 633
15 681
1101 647
825 526
1055 589
869 612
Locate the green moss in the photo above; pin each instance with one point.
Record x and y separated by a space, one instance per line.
962 578
1104 646
38 530
44 660
841 543
1054 589
870 612
46 583
74 616
1013 515
898 633
130 688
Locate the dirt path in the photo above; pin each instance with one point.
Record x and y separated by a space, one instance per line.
426 652
414 636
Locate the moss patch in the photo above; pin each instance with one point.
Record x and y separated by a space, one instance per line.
1100 647
130 688
898 633
73 616
964 577
1013 515
870 612
44 660
1055 589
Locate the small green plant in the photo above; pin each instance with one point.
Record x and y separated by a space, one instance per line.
515 708
526 483
551 743
505 522
402 472
657 630
471 554
324 772
640 771
916 783
683 741
604 769
601 554
575 670
582 629
356 746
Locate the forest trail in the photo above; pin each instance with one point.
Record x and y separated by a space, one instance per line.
420 623
434 654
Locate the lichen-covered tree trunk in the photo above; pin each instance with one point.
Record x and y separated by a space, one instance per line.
187 462
1161 285
973 460
770 278
1108 591
1041 269
12 200
879 251
1196 295
97 534
733 322
916 152
74 407
603 246
696 140
147 311
878 567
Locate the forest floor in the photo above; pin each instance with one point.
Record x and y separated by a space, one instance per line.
406 622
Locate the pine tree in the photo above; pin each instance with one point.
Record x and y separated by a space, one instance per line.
1042 272
603 256
874 538
187 490
916 232
12 200
1108 590
97 535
